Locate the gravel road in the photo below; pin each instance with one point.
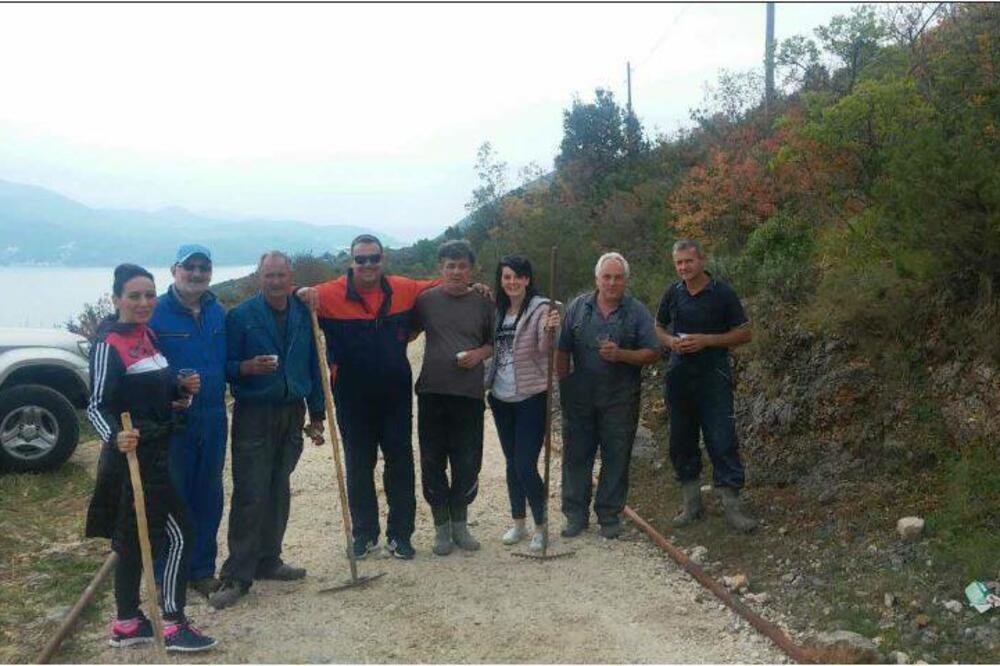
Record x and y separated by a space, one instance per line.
613 601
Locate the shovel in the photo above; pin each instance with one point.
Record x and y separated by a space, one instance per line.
331 425
545 555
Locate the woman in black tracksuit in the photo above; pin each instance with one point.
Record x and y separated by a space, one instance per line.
128 374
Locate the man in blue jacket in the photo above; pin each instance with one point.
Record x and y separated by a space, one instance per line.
273 371
190 326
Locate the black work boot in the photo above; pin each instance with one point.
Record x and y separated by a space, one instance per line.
736 516
692 509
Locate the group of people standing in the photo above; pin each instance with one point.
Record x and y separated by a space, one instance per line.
166 361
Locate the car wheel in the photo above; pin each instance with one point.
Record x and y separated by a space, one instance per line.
38 428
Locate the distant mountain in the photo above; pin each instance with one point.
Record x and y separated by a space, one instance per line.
39 226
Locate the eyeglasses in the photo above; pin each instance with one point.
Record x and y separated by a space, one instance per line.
362 259
191 267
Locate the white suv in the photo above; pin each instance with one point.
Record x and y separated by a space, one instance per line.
44 378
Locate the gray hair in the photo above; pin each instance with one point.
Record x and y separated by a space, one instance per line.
686 244
608 256
274 254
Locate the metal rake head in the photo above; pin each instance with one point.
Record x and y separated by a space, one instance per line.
360 581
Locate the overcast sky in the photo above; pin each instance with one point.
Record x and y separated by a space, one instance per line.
351 114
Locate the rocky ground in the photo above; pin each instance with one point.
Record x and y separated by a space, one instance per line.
838 449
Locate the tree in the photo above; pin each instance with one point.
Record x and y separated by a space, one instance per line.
854 40
594 141
88 321
798 64
730 100
485 209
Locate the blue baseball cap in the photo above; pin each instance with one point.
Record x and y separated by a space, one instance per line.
185 252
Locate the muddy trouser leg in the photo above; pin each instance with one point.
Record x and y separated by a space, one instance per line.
358 424
433 424
253 469
529 435
715 399
616 430
685 425
504 415
396 436
287 434
465 453
579 429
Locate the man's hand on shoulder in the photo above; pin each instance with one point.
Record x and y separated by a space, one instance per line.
309 296
483 290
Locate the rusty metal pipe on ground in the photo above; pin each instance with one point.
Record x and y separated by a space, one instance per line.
777 636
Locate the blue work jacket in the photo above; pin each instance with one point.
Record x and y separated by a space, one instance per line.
252 331
194 343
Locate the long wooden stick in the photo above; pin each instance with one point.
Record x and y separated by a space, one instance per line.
147 551
548 400
331 425
70 620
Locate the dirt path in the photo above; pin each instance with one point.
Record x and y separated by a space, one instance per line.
615 601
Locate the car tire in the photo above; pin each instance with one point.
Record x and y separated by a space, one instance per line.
38 428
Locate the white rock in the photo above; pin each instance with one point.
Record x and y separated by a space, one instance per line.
889 599
736 582
862 649
697 554
910 528
954 606
898 657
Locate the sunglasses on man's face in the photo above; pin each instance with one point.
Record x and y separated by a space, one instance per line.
362 259
192 267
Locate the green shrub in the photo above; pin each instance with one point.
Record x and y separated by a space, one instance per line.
778 258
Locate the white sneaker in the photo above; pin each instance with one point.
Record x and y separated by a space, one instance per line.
513 535
537 540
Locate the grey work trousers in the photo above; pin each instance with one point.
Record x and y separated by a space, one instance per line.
267 443
588 426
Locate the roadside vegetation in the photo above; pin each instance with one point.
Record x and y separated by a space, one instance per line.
45 563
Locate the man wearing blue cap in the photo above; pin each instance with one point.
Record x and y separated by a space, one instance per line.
190 326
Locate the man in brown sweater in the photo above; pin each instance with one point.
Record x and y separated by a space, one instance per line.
458 323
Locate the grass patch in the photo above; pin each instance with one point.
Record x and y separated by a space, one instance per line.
965 523
45 562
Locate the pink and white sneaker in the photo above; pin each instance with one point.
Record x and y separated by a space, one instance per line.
184 637
135 631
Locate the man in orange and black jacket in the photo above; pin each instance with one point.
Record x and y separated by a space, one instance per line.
366 318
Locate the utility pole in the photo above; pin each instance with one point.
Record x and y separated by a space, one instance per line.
628 73
769 62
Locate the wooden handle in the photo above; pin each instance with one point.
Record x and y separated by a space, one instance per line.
331 426
548 400
144 547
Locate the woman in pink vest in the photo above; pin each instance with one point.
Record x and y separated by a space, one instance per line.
516 381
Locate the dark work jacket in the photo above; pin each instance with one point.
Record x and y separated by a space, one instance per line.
252 331
128 374
369 348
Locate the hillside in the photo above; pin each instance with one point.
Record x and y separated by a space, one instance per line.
39 226
859 218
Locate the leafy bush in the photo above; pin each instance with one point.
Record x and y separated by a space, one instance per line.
778 258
